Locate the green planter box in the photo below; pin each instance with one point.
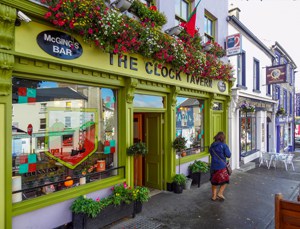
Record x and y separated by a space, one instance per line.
107 216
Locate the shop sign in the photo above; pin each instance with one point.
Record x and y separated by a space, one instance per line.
276 74
59 44
233 43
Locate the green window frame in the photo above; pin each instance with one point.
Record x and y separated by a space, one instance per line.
209 27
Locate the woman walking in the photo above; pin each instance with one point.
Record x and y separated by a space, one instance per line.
219 151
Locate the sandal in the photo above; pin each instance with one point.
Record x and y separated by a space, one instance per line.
217 198
221 198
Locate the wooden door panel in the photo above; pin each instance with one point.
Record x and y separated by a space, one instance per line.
153 172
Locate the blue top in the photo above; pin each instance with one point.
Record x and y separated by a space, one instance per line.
223 152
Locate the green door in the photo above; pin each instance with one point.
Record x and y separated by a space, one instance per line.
218 124
153 160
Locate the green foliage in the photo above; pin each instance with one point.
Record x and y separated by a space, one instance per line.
199 166
281 111
121 193
179 179
141 194
148 14
137 149
87 206
179 143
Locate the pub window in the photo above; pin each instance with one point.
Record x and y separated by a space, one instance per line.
209 27
150 101
247 133
256 75
190 123
181 10
77 142
43 107
68 122
217 106
43 123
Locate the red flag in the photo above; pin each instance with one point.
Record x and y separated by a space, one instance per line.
191 22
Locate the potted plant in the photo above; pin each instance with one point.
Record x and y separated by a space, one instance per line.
179 182
140 194
246 107
280 112
195 170
94 214
179 144
136 150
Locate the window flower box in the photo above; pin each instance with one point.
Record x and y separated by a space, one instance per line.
107 216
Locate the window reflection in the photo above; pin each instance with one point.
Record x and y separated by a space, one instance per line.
150 101
73 133
190 123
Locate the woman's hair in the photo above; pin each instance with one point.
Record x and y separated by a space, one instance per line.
220 137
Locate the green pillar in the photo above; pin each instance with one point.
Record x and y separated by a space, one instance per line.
170 132
7 28
126 127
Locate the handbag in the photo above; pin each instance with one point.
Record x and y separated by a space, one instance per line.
228 166
220 177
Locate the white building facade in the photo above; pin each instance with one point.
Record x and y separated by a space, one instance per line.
251 129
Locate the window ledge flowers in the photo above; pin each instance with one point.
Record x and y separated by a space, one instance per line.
116 33
246 107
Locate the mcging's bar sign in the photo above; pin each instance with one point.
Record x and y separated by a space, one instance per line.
59 44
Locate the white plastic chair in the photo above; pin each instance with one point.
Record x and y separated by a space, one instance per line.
289 161
265 158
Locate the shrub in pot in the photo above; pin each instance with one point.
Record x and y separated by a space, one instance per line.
94 214
195 170
178 182
140 195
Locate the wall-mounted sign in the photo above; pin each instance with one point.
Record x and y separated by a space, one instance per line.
233 44
221 86
276 74
59 44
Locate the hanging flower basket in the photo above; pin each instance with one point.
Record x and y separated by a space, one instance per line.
281 112
246 107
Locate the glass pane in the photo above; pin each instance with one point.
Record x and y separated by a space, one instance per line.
184 10
60 131
150 101
190 123
177 7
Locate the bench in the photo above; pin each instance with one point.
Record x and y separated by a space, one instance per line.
287 213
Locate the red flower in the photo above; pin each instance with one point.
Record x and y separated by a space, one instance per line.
48 14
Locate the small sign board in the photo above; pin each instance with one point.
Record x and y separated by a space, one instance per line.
233 44
276 74
59 44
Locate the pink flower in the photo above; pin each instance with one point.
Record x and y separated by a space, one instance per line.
90 31
98 199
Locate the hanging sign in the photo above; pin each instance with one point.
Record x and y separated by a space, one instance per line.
59 44
276 74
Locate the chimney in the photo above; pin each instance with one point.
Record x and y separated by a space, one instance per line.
235 12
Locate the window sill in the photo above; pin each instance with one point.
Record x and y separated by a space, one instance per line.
256 91
241 87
